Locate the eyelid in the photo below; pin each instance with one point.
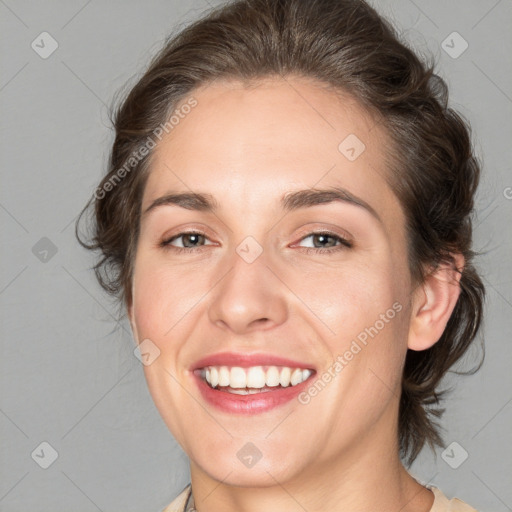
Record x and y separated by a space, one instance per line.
322 229
166 241
200 229
344 242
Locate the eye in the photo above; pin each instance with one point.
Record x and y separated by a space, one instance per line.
194 241
191 241
327 242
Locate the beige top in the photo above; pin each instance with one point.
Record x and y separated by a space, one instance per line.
185 502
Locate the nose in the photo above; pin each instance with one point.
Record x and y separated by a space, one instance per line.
248 298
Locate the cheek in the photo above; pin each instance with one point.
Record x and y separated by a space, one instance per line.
364 309
348 297
162 297
147 303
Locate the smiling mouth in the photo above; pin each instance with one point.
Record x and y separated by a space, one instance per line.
254 379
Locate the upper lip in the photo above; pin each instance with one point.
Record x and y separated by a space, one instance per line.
247 360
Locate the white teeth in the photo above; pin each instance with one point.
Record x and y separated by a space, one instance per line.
237 377
272 377
296 377
284 379
254 379
223 376
214 376
306 374
247 391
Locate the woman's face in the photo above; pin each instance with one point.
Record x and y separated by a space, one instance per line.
279 283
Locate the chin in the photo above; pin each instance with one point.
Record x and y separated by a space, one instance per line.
235 467
242 477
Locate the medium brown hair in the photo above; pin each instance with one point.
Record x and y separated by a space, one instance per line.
344 44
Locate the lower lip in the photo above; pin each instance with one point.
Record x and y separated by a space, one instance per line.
249 404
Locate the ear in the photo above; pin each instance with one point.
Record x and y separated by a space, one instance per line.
433 303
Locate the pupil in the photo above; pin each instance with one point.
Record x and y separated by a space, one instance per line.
192 236
323 238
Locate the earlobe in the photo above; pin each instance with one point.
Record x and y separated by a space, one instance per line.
433 304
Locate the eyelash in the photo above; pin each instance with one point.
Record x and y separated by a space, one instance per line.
344 243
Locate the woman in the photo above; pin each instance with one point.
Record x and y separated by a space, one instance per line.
287 220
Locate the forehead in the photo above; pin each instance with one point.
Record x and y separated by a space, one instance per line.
248 144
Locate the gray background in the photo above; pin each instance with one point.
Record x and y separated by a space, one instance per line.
69 376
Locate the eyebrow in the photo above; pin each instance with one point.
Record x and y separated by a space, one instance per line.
289 202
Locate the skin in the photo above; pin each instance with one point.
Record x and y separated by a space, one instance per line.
248 146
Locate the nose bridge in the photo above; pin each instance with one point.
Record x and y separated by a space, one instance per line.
248 295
